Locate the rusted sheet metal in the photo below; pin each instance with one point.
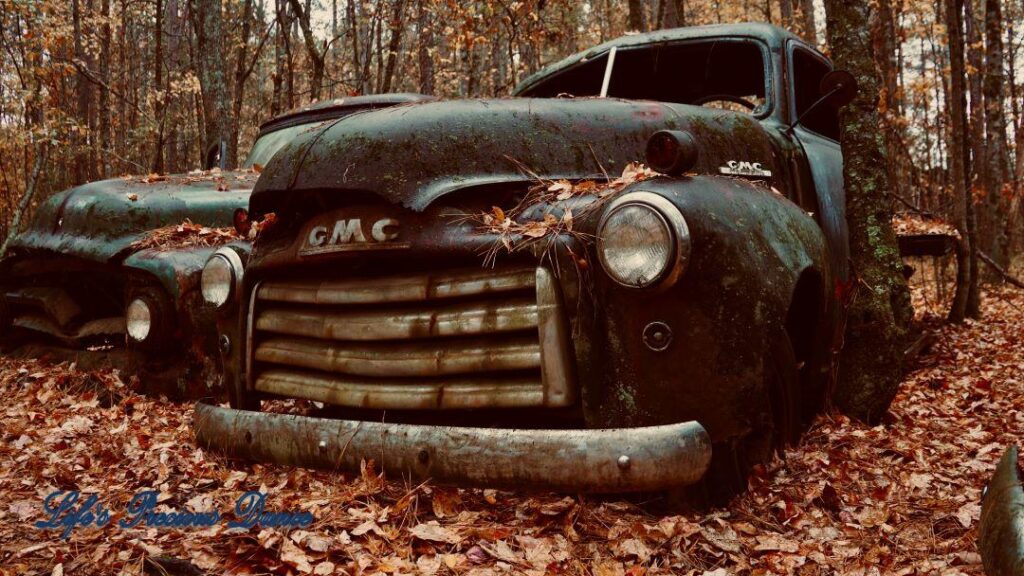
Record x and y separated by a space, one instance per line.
609 461
177 270
99 221
413 155
334 108
1001 530
71 336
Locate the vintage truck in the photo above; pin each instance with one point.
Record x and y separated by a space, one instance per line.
477 296
85 273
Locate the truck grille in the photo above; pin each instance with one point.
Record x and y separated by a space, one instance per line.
465 339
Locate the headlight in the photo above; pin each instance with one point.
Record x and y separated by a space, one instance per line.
139 319
222 273
643 241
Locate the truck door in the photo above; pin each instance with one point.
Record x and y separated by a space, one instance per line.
818 135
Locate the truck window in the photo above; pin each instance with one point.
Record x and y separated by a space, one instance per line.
808 70
718 73
269 143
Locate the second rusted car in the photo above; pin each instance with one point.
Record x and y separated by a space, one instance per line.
481 299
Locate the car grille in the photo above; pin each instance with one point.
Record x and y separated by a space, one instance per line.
452 340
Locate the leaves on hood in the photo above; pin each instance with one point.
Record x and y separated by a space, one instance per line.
185 235
514 228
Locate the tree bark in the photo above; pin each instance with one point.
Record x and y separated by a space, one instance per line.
425 42
810 29
977 179
158 88
997 153
212 77
396 25
637 19
84 169
238 86
316 55
786 11
880 312
958 152
26 199
104 102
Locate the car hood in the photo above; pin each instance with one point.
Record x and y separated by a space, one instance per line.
412 155
101 220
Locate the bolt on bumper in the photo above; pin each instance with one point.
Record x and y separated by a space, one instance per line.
1001 529
597 461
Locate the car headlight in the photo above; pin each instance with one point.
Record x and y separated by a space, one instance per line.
643 241
222 273
139 319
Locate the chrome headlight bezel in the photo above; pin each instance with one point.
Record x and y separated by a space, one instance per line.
676 231
227 287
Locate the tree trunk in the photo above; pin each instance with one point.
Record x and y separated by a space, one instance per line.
158 87
26 199
997 154
316 56
885 52
786 11
238 86
1013 212
396 25
425 42
974 163
84 169
276 98
810 29
880 312
957 154
104 103
637 20
212 78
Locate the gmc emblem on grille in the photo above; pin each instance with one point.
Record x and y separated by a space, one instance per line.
352 234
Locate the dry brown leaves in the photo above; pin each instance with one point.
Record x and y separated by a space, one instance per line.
912 224
511 229
895 499
185 235
235 179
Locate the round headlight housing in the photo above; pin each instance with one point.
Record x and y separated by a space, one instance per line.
221 277
217 280
139 319
643 241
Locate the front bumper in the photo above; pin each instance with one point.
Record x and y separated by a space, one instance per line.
1001 530
598 461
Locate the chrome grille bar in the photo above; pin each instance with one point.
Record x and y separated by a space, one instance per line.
398 323
449 340
404 359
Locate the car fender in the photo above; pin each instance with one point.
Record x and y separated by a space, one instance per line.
749 247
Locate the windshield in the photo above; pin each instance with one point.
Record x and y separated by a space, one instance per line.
728 74
270 142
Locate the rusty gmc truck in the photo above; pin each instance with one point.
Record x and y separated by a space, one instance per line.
93 270
495 292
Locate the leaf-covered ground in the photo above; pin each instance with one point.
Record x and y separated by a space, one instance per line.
902 498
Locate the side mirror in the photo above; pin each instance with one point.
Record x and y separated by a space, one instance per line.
838 87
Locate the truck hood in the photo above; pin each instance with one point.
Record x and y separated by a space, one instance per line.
413 155
101 220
